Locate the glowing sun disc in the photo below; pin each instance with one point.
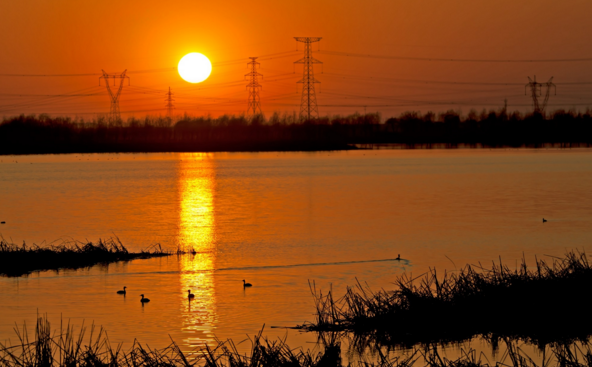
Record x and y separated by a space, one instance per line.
195 67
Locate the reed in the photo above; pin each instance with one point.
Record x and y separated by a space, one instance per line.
67 347
542 304
20 260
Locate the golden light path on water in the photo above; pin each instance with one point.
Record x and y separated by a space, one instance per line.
278 221
196 232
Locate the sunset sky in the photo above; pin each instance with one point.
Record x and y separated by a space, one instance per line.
148 38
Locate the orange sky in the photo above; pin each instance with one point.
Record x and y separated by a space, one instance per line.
83 37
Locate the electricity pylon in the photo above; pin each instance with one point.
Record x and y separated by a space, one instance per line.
169 106
308 103
253 87
536 90
114 111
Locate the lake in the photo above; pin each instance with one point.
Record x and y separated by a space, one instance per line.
282 221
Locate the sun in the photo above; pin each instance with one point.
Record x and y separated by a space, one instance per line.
194 67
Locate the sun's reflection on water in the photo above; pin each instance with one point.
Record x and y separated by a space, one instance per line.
196 233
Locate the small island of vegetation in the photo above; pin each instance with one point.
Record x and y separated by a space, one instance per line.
20 260
525 303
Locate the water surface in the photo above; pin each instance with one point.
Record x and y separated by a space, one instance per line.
280 221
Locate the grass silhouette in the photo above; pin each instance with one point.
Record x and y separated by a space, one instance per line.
66 347
544 304
20 260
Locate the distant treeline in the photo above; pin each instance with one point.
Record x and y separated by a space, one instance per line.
286 132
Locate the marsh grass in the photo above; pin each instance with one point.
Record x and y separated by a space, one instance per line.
67 347
543 304
20 260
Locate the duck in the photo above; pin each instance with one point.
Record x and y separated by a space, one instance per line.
190 295
122 292
246 284
398 257
144 300
544 220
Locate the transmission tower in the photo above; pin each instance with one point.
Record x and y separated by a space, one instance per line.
114 111
536 90
253 87
308 103
169 106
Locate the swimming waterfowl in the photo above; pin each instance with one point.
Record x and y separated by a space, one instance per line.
190 295
144 300
544 220
246 284
122 292
398 257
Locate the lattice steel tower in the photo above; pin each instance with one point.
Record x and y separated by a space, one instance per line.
308 103
169 103
114 111
253 87
535 92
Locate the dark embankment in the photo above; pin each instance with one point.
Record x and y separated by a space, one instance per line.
68 348
545 304
21 260
44 134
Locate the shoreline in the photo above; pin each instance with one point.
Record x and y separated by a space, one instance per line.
308 149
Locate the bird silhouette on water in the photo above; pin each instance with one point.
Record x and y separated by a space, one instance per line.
123 291
245 285
398 257
144 300
190 295
544 220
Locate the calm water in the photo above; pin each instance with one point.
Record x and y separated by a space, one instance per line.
278 220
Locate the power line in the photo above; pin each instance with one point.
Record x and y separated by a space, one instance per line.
49 75
49 95
157 70
413 58
334 53
41 101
